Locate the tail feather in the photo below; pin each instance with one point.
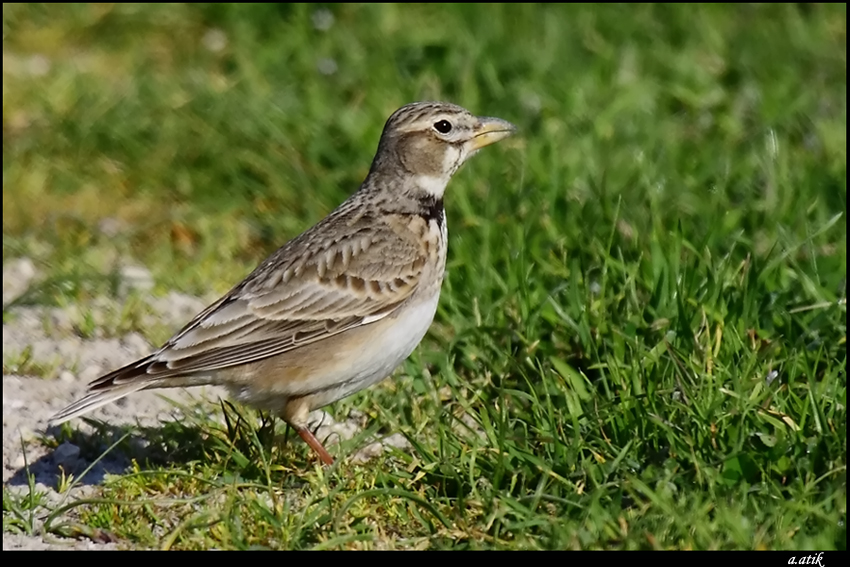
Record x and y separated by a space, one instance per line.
108 388
96 399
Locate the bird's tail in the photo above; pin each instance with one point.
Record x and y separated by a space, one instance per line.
109 388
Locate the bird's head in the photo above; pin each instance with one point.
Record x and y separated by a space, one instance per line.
428 141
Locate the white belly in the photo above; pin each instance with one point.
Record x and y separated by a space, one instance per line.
342 365
387 349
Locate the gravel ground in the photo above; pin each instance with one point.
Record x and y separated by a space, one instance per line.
66 363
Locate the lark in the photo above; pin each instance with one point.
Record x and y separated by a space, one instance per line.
339 307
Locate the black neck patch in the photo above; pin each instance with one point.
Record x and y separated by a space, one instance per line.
431 208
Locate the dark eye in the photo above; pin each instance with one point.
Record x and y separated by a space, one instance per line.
443 126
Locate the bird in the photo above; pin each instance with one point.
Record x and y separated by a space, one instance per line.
338 308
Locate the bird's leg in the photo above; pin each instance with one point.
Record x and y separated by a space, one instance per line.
314 444
295 413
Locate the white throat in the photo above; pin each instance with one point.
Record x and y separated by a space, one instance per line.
434 186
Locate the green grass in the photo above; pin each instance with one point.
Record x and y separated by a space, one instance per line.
641 341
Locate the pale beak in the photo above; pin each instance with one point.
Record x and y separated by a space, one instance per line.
489 131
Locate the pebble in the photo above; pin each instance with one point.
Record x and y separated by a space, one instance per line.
367 453
66 454
17 276
396 441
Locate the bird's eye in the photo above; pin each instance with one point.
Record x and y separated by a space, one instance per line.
443 126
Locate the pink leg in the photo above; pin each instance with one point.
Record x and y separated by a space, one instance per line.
314 444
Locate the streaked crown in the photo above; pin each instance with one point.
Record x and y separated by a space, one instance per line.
429 141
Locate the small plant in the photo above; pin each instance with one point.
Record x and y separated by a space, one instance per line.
20 509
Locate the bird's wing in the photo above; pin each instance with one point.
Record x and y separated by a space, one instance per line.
306 292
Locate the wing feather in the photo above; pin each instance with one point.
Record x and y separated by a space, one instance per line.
346 284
